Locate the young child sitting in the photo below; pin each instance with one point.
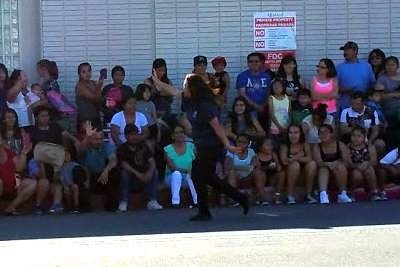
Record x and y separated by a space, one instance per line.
40 96
74 180
222 79
363 161
239 166
268 170
302 107
374 102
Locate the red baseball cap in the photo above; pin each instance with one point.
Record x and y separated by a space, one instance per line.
219 60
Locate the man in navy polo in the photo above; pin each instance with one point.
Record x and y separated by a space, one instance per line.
354 75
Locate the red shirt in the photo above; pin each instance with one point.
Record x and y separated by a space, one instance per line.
7 172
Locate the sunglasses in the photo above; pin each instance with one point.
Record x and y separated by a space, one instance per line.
254 61
321 67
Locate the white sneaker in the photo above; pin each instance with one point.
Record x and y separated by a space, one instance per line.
323 198
344 198
291 200
123 206
154 205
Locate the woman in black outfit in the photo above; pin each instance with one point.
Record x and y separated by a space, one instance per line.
209 138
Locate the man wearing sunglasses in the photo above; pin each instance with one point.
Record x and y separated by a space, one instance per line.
254 83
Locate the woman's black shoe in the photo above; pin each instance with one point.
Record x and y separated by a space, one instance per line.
201 217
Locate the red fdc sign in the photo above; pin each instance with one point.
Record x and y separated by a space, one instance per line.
275 22
273 58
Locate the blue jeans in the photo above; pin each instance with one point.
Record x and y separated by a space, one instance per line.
130 183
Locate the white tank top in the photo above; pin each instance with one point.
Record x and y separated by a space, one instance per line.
281 112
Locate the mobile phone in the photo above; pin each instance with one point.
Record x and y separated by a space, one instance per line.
103 74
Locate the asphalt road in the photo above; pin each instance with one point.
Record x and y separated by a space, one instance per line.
360 234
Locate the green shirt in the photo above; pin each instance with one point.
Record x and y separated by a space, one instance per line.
183 161
299 113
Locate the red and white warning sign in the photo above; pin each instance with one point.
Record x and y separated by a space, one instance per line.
275 35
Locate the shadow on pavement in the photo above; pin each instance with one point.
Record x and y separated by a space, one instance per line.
176 221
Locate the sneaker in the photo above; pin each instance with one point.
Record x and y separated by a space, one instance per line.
154 205
375 197
192 206
383 196
201 217
291 200
235 204
75 211
323 198
37 210
56 208
262 203
310 200
176 206
344 198
123 206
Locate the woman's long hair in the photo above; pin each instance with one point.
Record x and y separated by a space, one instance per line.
3 128
281 70
199 89
4 69
247 116
378 52
302 138
14 77
159 63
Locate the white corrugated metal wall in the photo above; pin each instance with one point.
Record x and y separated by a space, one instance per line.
133 32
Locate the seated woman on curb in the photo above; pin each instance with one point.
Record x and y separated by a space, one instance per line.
332 157
179 157
363 162
10 164
296 158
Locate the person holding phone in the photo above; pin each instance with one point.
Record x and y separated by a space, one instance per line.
115 93
88 95
20 98
209 139
163 92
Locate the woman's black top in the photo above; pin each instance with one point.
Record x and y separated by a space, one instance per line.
200 115
330 157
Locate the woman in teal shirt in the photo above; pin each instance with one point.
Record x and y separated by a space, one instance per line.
179 157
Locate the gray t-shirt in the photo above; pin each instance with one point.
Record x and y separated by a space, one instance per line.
390 86
148 109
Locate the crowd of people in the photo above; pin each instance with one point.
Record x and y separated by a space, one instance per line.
337 132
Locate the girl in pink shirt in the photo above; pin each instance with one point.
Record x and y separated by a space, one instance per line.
324 86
